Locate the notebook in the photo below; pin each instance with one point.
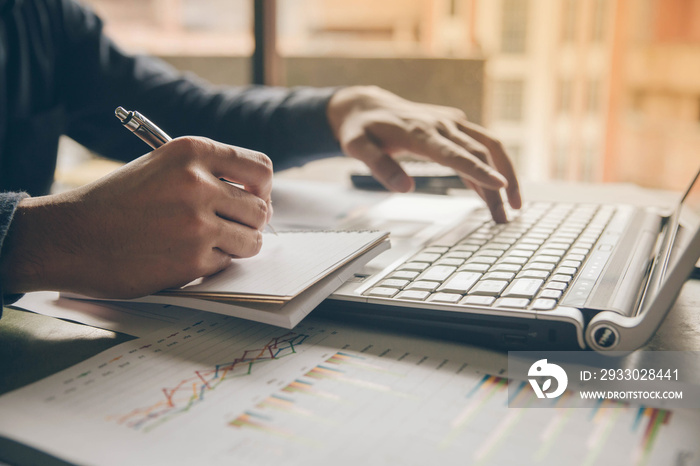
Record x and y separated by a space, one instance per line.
558 276
287 279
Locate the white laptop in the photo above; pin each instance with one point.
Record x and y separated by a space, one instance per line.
558 276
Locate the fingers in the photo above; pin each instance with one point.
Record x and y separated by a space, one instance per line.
249 168
493 201
384 168
500 159
470 161
238 240
238 205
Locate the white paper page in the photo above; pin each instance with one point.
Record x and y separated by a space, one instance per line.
285 315
313 205
134 319
222 391
287 264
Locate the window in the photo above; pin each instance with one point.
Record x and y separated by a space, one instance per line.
598 24
569 21
179 27
508 100
514 26
589 162
561 161
593 96
565 97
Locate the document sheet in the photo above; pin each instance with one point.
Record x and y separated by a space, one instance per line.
220 390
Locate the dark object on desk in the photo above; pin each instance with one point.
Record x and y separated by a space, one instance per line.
429 177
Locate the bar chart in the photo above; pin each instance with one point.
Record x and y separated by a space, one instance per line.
220 390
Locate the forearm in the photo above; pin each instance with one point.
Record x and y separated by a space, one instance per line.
97 76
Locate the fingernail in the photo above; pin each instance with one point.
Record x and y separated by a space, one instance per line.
401 182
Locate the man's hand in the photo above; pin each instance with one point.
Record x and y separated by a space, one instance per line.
373 124
160 221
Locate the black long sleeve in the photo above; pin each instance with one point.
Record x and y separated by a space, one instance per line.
59 74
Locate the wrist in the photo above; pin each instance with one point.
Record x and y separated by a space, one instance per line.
36 254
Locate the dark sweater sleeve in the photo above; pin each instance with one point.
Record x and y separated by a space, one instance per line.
8 205
96 77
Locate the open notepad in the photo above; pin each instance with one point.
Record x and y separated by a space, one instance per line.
292 274
287 264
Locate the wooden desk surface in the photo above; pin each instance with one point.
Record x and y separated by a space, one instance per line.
34 346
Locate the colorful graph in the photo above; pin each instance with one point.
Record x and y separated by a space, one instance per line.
227 392
188 392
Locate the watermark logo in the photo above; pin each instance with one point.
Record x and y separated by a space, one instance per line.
542 368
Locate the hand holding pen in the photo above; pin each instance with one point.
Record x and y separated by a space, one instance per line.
152 135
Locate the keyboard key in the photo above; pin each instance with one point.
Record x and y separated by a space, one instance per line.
551 294
451 261
514 260
519 303
566 270
417 266
570 263
540 266
489 252
535 241
523 288
489 287
556 286
547 251
425 257
544 304
394 283
500 275
505 268
423 285
520 253
474 267
498 245
438 273
466 247
526 247
436 249
561 278
475 300
575 257
404 274
445 298
579 250
483 259
414 295
457 255
543 258
543 274
460 282
382 292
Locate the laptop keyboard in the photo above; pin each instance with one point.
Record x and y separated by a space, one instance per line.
529 263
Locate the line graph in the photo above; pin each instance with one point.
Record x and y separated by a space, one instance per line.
192 390
222 391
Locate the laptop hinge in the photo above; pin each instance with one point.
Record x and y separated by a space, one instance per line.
651 282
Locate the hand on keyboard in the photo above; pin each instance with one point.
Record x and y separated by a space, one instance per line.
373 124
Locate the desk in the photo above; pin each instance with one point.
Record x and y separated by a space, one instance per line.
34 346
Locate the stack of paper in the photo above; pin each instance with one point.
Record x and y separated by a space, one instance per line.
290 276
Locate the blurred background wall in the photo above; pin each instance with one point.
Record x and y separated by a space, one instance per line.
589 90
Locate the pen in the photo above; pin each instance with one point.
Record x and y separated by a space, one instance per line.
149 133
142 127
